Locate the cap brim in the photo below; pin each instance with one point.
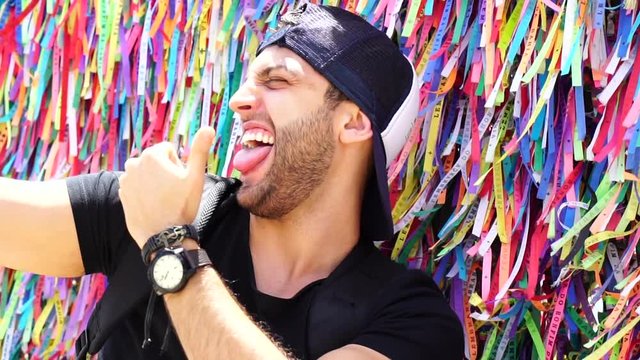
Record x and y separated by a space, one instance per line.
377 223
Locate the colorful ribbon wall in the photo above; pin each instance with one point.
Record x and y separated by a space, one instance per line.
517 191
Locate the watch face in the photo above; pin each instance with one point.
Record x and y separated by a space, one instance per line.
168 271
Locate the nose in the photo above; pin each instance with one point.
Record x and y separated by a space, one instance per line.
245 101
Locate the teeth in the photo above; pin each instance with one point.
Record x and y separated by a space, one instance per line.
250 137
247 138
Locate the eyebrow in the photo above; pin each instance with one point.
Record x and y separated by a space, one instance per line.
266 71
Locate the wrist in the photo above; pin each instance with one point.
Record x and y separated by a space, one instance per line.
169 238
187 244
190 244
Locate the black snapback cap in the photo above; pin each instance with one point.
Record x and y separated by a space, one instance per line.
363 63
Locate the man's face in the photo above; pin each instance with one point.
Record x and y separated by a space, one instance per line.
288 140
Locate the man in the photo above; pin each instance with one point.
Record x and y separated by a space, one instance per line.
326 105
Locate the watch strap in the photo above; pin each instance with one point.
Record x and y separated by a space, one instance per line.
197 258
168 238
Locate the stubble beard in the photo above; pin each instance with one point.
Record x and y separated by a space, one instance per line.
304 150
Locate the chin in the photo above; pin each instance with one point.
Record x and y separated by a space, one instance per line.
252 196
259 201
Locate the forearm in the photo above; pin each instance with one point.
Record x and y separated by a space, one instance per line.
212 325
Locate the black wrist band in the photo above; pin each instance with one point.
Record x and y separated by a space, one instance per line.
168 238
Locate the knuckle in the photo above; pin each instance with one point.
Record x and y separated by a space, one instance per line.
130 164
147 153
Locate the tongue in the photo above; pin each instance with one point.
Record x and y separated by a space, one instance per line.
247 159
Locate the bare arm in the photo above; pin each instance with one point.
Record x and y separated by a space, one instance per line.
38 231
212 325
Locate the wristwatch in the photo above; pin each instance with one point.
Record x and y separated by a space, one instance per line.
166 239
172 267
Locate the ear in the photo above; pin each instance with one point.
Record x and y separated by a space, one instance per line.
355 127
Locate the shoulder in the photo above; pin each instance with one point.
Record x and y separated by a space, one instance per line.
411 318
415 292
404 287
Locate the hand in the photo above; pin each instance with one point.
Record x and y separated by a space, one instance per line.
157 191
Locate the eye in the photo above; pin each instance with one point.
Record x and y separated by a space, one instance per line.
276 83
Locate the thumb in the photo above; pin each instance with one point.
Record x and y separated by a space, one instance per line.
199 153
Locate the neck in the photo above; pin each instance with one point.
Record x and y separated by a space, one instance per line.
309 242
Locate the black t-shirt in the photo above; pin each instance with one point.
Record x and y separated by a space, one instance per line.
410 318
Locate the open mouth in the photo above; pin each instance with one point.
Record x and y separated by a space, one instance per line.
257 144
254 138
